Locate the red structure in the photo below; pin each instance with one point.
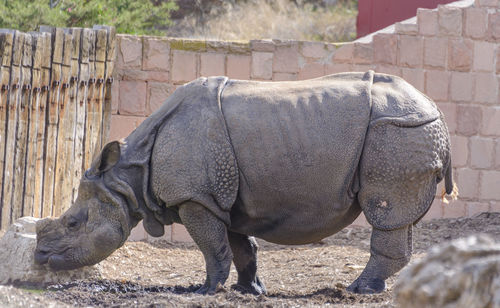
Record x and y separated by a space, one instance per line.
374 15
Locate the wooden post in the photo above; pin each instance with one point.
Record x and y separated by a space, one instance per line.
34 122
22 127
6 43
110 66
65 140
13 106
108 77
75 168
53 119
46 67
100 71
81 107
88 151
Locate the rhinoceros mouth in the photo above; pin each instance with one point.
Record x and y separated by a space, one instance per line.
58 262
55 261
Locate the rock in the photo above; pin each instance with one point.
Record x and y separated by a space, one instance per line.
17 248
461 273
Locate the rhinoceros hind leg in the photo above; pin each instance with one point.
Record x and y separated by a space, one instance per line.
244 249
210 234
390 251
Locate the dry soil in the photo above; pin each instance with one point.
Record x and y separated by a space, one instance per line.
164 274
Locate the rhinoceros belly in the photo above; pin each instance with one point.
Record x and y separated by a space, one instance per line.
297 145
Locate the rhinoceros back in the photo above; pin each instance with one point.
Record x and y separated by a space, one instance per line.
297 144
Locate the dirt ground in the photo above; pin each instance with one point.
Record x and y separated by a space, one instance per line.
164 274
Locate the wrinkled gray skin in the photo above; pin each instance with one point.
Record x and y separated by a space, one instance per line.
289 162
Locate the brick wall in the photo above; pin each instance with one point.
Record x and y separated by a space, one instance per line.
451 53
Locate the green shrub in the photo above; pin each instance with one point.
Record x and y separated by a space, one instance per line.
128 16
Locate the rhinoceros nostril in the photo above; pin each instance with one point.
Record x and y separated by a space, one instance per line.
41 256
42 251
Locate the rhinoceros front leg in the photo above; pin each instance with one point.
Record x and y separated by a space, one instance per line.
210 234
390 251
244 249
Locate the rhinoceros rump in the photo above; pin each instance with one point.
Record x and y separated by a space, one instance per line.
289 162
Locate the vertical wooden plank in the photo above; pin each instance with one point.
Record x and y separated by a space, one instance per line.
75 168
81 107
100 71
34 119
46 67
13 106
52 119
91 93
65 140
22 127
110 61
6 43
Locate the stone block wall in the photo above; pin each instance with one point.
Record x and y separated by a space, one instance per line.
451 53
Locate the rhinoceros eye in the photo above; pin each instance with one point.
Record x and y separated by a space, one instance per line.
72 223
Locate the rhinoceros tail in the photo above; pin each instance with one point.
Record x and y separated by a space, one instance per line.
450 187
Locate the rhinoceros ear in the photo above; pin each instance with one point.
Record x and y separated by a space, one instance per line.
110 155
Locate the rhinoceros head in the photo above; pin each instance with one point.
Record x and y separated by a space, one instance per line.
92 228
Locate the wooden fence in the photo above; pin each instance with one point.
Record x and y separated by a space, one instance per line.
55 104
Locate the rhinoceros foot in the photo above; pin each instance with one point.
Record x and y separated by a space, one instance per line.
205 290
255 287
367 286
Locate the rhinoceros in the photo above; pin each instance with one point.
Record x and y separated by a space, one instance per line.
288 162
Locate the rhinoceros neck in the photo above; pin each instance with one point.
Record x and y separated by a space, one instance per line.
131 176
